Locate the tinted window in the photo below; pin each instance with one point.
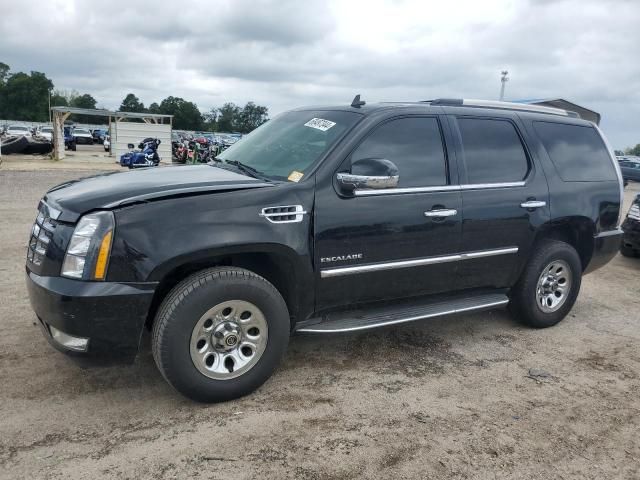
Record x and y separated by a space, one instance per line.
577 152
493 151
414 145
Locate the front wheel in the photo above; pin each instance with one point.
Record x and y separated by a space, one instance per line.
220 334
548 286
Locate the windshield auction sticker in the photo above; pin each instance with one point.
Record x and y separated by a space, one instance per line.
320 124
295 176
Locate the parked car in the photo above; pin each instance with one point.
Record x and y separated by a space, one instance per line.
631 226
15 130
326 220
630 170
83 136
69 139
45 132
98 135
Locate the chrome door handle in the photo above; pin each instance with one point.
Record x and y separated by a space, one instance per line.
533 204
441 213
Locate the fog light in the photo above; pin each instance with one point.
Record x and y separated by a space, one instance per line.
77 344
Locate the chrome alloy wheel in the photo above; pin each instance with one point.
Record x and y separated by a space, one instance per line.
229 339
553 286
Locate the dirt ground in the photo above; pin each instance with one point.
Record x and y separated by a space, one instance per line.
474 396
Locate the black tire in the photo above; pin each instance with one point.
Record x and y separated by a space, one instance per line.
627 251
187 303
523 303
74 146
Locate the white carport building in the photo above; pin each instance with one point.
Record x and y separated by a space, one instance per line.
124 128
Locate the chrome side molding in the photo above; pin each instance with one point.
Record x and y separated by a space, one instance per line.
417 262
442 188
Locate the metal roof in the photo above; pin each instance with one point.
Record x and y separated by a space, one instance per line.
108 113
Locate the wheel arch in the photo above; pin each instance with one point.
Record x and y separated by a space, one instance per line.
278 264
577 231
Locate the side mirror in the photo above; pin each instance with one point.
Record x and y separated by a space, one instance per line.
369 173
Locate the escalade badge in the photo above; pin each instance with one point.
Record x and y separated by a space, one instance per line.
341 258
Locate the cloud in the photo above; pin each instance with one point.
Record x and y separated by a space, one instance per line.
285 54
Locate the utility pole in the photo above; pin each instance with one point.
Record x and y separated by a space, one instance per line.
503 80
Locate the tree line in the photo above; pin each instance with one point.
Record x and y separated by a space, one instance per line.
26 97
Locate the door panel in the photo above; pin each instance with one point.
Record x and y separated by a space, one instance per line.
387 231
498 175
378 230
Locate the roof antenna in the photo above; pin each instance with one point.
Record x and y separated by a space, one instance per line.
357 103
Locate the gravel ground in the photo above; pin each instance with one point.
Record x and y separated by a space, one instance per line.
473 396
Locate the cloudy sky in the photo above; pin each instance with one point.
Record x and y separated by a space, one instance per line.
287 53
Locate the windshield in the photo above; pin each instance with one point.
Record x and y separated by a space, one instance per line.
47 129
18 128
286 147
80 130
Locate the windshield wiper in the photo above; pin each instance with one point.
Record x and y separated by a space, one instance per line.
252 172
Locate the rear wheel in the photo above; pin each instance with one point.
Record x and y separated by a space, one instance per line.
220 334
548 286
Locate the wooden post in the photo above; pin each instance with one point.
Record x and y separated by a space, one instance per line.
58 134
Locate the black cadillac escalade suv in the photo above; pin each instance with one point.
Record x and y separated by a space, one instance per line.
325 220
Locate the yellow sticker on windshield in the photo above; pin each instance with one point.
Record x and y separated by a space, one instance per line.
295 176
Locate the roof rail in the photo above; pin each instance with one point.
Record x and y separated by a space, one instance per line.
466 102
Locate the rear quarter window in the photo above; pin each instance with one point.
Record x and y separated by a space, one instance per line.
577 152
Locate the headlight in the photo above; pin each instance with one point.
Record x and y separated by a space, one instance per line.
89 249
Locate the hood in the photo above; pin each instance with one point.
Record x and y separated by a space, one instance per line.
115 189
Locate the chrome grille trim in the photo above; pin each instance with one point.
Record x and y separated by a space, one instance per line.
41 234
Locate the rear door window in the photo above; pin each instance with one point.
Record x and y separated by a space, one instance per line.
577 152
493 151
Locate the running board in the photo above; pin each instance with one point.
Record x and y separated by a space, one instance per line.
363 319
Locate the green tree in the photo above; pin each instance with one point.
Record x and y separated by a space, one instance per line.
633 150
211 120
83 101
4 73
131 103
59 99
251 117
186 115
228 117
154 108
25 97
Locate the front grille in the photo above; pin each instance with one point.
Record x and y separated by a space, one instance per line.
634 212
41 235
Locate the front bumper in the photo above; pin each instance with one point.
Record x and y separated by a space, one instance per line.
606 246
110 315
631 229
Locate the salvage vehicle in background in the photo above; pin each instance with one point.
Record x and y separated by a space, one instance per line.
326 220
16 130
45 132
82 136
630 170
631 227
69 139
146 156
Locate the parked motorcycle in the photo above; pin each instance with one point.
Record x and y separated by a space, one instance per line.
146 156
